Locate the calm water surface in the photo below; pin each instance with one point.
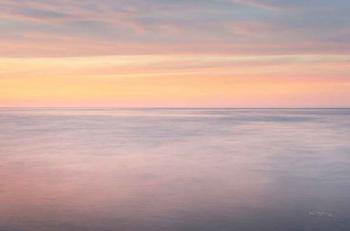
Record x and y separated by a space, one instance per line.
193 169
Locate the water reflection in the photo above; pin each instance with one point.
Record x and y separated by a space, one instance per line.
200 169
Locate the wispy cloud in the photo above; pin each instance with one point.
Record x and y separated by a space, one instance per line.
176 81
108 27
260 4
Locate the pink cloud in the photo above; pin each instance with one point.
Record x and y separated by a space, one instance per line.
251 28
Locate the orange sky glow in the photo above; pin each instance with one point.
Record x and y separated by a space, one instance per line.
165 81
200 54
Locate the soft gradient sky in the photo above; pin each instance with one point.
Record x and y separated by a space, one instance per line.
181 53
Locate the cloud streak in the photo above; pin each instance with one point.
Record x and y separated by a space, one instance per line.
154 26
176 81
175 52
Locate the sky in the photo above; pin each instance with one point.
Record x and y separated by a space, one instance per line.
174 53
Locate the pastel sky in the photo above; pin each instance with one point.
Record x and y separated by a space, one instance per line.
175 53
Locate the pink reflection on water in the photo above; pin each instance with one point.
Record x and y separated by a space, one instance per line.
124 173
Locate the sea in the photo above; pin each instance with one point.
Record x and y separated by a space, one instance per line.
174 169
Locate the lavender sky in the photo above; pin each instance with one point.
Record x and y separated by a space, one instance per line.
175 53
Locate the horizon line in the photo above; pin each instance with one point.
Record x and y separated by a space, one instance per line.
159 108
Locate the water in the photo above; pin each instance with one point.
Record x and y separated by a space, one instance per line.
175 169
